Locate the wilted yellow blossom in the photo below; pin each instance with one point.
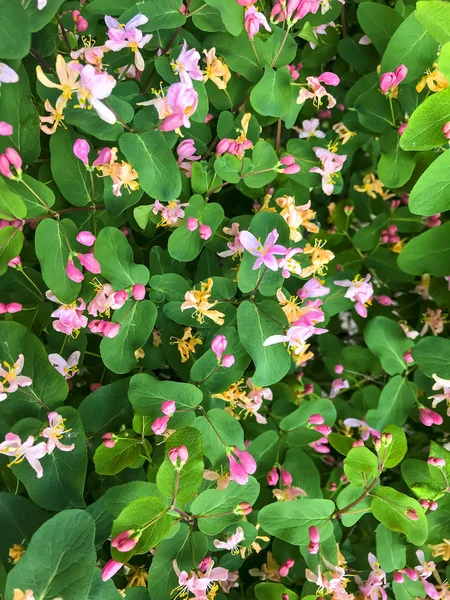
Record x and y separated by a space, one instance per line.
198 299
186 344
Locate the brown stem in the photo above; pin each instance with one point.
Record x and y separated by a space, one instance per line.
357 501
278 143
44 64
64 35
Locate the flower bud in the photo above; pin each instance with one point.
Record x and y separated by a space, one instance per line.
288 160
138 291
401 129
90 263
314 534
228 361
323 429
286 477
313 548
159 425
386 439
329 78
446 130
223 146
316 419
398 577
423 503
124 542
218 345
205 232
168 407
14 158
292 170
81 150
109 441
284 569
192 223
15 262
436 462
5 128
432 505
13 307
110 569
111 330
339 369
243 508
103 157
86 238
309 388
358 444
73 272
5 169
412 515
178 456
272 476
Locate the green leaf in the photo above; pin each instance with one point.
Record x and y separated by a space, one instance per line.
191 474
232 15
390 508
273 591
263 157
115 256
162 14
217 502
424 131
438 521
60 560
227 167
238 54
107 408
15 35
396 400
11 205
118 497
52 250
109 7
379 22
374 111
257 322
393 454
395 168
103 590
411 46
11 242
348 495
290 521
435 17
274 96
391 553
387 340
17 109
15 528
144 511
429 252
89 121
39 17
149 154
360 466
136 325
110 461
264 450
430 354
48 386
219 422
299 418
68 171
62 485
430 194
28 195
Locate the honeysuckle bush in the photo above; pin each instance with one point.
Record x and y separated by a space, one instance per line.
225 271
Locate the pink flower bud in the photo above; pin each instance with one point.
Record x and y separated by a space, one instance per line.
178 456
288 160
73 272
223 146
111 330
286 477
401 129
228 361
323 429
285 597
400 73
316 420
358 444
292 170
272 476
384 300
205 232
218 345
192 223
103 157
432 505
13 307
123 542
429 417
246 2
138 291
120 297
284 569
86 238
408 357
398 577
109 441
314 534
159 425
313 548
80 22
208 118
309 388
411 573
423 503
81 150
446 130
5 128
329 78
339 369
168 407
94 387
5 169
14 158
110 569
412 515
436 462
89 263
15 262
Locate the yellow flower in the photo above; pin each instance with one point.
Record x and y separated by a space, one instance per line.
435 80
297 216
290 307
303 356
186 344
344 134
398 247
16 552
67 76
216 70
198 299
319 258
269 571
234 393
371 186
137 576
122 174
56 115
442 549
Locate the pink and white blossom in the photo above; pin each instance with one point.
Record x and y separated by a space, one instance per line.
186 65
265 252
360 291
54 432
67 368
331 164
128 36
232 542
254 20
12 375
13 446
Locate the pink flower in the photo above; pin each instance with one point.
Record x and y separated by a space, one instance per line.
138 291
360 291
13 446
243 467
228 361
55 431
218 346
95 87
13 376
159 425
339 369
390 80
312 289
7 75
69 316
186 65
232 542
408 358
284 569
81 150
186 154
80 22
5 128
246 2
266 252
73 272
128 36
178 456
124 542
104 157
315 91
253 20
295 336
66 368
192 224
86 238
272 476
199 584
331 164
168 407
429 417
436 462
310 129
337 385
205 232
321 446
13 307
182 101
90 263
110 569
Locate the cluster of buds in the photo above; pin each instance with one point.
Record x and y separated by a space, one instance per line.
428 504
109 440
429 417
218 346
106 328
286 567
317 422
11 308
383 441
389 235
11 158
178 457
159 425
273 477
204 231
287 165
314 540
80 22
126 541
243 508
